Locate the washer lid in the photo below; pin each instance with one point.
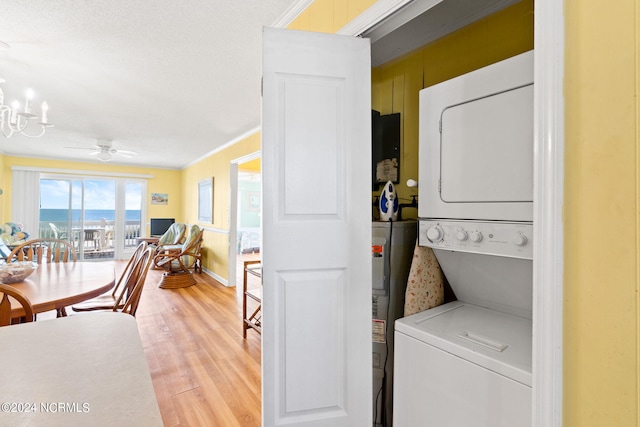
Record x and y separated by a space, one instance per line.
496 341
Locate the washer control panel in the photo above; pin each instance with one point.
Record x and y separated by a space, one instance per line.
509 239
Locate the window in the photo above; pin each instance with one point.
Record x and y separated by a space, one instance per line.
101 216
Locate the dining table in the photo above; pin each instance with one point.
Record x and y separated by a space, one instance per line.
53 286
86 370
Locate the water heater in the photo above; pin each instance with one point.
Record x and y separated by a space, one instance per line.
392 245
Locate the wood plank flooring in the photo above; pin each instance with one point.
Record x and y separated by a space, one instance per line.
204 373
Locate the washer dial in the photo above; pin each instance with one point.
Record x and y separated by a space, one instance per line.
520 239
476 236
435 233
462 235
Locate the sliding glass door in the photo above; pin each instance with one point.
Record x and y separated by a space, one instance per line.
101 217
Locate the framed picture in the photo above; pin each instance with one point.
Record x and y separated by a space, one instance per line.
253 198
159 198
205 200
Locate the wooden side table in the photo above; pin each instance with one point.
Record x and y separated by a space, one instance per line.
254 320
149 240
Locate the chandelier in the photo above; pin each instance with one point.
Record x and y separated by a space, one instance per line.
13 119
16 120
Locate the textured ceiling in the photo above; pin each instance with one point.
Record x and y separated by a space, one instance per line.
169 80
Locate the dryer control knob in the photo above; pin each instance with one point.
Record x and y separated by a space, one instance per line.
520 239
476 236
435 233
462 235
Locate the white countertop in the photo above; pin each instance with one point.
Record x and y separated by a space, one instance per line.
86 370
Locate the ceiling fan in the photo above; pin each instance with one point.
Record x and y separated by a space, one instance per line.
104 150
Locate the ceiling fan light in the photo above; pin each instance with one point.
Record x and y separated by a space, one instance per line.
104 156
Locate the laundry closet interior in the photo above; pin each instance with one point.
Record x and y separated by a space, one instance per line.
448 40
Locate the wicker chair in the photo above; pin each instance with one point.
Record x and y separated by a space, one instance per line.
173 236
179 262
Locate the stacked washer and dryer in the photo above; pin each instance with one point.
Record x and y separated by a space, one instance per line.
468 362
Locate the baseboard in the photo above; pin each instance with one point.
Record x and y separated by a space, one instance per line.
216 277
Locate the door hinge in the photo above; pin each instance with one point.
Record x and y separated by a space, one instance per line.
439 186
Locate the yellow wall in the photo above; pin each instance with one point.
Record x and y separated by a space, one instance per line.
251 165
328 16
163 181
395 85
216 238
601 324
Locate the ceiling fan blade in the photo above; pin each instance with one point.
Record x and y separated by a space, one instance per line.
82 148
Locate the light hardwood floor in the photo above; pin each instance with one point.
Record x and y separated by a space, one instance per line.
204 373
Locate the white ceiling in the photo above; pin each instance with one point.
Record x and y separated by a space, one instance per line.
170 80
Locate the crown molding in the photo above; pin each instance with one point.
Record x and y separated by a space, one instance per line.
372 16
291 13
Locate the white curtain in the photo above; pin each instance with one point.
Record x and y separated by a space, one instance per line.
25 200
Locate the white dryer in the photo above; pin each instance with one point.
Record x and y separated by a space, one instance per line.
476 144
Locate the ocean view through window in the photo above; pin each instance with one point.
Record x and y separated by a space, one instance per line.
55 215
101 217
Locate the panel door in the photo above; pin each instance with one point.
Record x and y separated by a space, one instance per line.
316 150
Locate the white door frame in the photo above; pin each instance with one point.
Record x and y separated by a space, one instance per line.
548 263
233 212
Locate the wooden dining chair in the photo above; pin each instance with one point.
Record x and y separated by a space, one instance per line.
5 305
108 301
138 278
129 297
43 250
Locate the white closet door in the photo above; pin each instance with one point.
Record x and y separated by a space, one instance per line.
316 150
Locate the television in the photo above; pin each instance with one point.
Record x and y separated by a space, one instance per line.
159 226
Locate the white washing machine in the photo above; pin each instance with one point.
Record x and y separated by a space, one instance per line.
468 363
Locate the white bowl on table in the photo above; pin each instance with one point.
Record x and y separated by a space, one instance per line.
14 272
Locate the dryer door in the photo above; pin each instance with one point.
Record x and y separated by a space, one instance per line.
487 149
